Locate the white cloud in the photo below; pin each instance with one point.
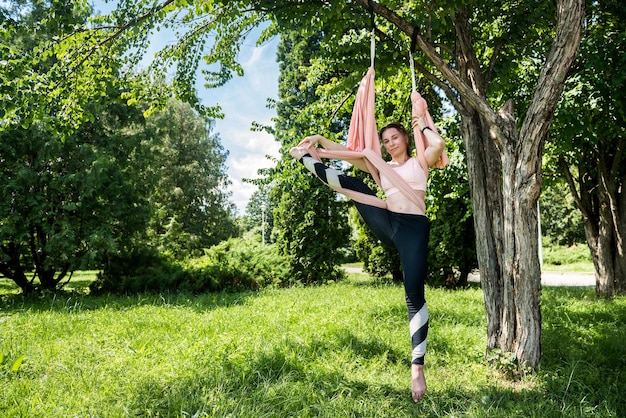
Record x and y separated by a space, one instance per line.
245 165
241 193
248 165
243 101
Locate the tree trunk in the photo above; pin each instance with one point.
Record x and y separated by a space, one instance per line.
484 174
603 255
505 187
522 187
620 263
611 188
620 253
11 267
603 205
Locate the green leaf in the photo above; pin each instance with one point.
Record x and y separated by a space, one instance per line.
17 363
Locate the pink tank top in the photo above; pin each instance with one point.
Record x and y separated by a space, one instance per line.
411 171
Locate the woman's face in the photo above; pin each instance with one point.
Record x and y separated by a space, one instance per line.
395 143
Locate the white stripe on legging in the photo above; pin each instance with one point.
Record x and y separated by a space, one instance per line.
332 175
418 321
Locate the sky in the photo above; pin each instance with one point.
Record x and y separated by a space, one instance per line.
243 101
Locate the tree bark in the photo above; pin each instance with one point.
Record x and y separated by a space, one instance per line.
599 196
606 243
11 267
620 256
611 184
484 174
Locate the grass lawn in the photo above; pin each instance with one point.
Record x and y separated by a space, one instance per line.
561 259
339 350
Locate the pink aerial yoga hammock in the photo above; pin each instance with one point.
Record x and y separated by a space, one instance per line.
363 142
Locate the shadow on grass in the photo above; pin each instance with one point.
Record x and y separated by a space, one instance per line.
583 342
76 301
294 379
282 382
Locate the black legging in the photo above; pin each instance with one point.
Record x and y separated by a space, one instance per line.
407 232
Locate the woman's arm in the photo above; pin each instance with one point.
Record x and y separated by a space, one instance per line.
436 144
335 146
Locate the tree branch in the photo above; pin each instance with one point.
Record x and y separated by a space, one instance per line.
493 59
451 75
467 53
571 183
121 29
570 18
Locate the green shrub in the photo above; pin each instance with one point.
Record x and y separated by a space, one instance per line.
236 264
232 265
139 270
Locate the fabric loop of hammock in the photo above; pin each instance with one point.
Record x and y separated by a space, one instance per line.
363 139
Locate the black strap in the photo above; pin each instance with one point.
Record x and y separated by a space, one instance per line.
414 39
371 8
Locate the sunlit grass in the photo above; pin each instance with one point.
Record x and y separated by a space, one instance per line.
576 267
576 259
334 351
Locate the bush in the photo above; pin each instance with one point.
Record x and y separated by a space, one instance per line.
139 270
232 265
236 264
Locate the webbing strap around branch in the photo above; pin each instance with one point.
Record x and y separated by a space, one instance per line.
373 35
412 62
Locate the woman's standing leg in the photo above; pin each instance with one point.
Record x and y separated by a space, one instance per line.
411 240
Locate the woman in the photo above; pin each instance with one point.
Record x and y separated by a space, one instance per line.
403 223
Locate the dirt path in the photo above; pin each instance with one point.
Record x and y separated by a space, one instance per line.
548 278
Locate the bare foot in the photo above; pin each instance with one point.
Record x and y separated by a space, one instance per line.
298 152
418 382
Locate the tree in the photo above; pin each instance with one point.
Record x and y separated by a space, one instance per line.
68 194
192 210
310 223
53 72
589 141
259 211
478 55
504 164
481 60
68 202
79 167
